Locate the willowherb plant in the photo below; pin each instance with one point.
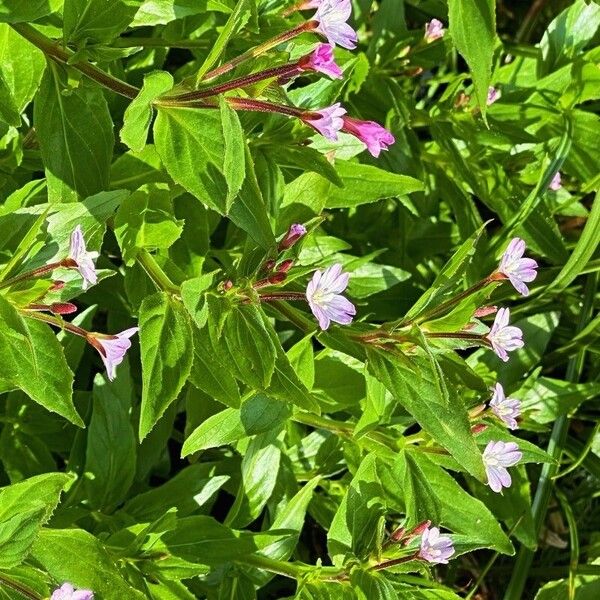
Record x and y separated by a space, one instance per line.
285 336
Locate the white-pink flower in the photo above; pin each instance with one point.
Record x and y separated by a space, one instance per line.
556 182
67 592
435 548
493 95
327 121
519 270
506 409
372 134
112 348
323 294
497 456
503 337
84 260
321 60
331 17
434 30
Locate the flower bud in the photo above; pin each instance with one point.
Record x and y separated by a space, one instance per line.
227 285
285 266
398 534
63 308
57 285
276 278
268 265
479 428
294 233
484 311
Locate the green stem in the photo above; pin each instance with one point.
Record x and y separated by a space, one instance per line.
18 587
458 335
294 316
293 570
323 423
55 321
154 271
586 450
56 52
260 49
556 444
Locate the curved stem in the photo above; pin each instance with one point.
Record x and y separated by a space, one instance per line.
39 272
55 321
18 587
62 55
154 271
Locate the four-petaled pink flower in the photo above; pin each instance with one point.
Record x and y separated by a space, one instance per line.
434 30
376 137
84 260
493 95
67 592
497 456
331 17
112 348
506 409
323 296
519 270
321 60
556 183
327 121
503 337
435 548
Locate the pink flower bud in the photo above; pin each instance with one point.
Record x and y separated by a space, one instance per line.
276 278
56 286
484 311
434 30
63 308
376 137
479 428
284 266
294 233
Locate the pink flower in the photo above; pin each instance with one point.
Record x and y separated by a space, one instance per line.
435 548
506 409
496 457
321 60
67 592
331 17
519 270
493 95
323 296
434 30
556 184
503 337
327 121
84 260
376 137
294 233
112 348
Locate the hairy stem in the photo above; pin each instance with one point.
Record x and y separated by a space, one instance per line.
154 271
39 272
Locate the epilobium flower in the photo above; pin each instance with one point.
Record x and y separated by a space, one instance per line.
84 260
504 337
519 270
506 409
67 592
331 17
435 548
376 137
294 233
327 121
493 95
323 296
556 183
321 60
497 456
434 30
112 348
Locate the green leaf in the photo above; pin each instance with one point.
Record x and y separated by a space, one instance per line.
418 384
77 556
473 31
8 109
146 221
161 12
75 132
167 351
138 116
111 444
202 150
431 493
33 361
243 11
17 11
97 20
24 508
258 414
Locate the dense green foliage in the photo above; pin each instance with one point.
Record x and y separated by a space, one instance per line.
243 448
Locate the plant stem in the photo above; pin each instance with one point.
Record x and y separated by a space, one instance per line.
62 55
154 271
293 570
474 337
39 272
240 82
56 322
395 561
148 42
556 444
260 49
264 106
270 296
